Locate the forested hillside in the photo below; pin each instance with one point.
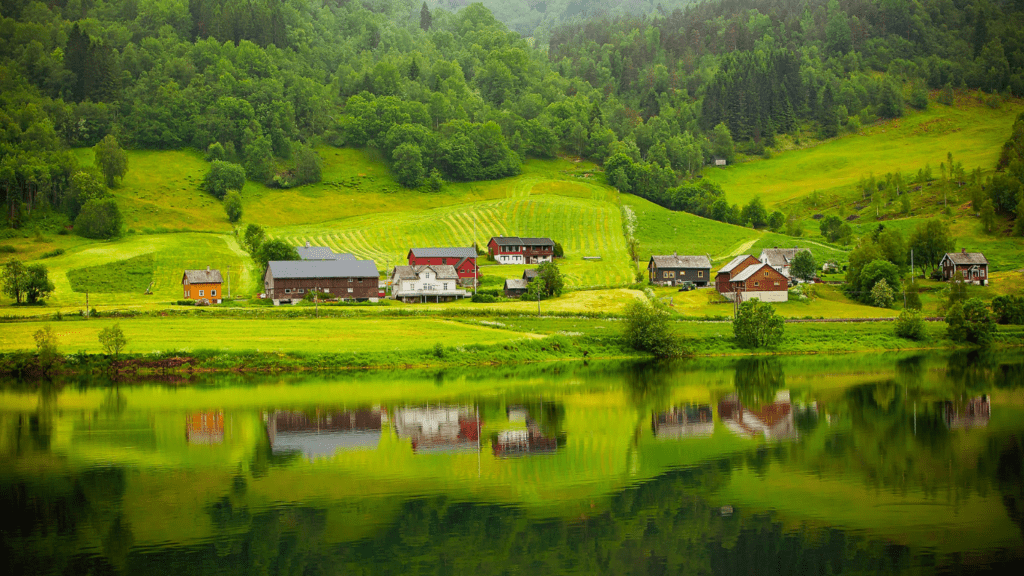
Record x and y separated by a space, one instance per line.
458 96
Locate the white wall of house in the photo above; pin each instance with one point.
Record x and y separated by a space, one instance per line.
510 259
427 281
767 296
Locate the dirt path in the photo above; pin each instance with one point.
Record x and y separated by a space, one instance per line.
743 248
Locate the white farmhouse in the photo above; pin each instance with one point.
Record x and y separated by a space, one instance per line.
437 282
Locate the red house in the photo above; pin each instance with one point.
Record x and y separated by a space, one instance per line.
747 277
463 259
516 250
970 267
733 268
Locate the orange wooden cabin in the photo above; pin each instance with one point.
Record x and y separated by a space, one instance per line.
199 284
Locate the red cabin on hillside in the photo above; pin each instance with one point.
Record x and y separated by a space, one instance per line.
463 259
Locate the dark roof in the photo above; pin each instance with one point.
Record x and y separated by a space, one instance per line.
444 252
323 269
308 252
967 258
516 284
443 271
734 263
779 257
517 241
530 274
674 261
204 276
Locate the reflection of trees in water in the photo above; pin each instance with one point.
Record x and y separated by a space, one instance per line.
758 380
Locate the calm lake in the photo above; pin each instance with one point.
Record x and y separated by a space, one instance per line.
810 465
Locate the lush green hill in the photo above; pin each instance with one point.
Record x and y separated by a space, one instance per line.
972 131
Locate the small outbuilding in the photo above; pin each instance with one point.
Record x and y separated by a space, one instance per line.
516 287
970 267
200 284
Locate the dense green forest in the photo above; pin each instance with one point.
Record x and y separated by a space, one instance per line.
459 96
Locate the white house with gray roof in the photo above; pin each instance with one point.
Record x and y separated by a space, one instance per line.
780 258
428 283
288 281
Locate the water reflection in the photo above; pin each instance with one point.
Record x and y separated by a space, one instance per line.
761 465
323 433
683 421
439 428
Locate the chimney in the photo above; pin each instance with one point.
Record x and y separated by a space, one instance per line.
307 243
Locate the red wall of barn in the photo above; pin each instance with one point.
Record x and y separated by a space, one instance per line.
467 270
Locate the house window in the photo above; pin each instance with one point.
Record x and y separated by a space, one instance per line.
445 285
213 292
349 290
765 273
982 273
427 276
200 292
670 274
700 274
444 260
776 283
301 290
287 290
756 284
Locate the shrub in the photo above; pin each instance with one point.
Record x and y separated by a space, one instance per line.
52 253
233 206
910 325
757 326
484 298
969 322
8 249
46 347
223 176
439 350
882 295
913 300
646 329
1008 309
186 302
99 219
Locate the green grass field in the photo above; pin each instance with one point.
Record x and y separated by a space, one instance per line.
970 130
147 335
584 227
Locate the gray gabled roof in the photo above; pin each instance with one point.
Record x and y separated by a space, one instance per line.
674 261
748 272
517 241
530 274
778 257
443 271
207 276
323 269
516 284
449 252
734 263
322 253
967 258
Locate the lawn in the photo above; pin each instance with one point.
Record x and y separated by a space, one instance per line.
274 335
827 302
662 231
584 227
115 272
970 130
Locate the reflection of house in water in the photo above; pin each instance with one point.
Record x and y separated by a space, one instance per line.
683 421
439 428
974 414
204 427
524 442
324 432
772 421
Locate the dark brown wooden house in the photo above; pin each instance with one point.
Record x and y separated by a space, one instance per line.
970 267
516 287
674 269
288 281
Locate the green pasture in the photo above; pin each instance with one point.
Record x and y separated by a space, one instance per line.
584 227
662 231
115 272
827 302
970 130
322 335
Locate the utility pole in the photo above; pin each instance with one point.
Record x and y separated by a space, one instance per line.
86 303
911 265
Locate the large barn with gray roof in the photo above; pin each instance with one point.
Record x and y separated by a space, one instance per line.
288 281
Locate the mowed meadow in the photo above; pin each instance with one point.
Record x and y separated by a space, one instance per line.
970 130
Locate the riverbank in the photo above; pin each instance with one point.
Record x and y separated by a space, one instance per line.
176 345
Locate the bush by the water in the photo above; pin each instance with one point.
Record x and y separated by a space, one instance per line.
757 326
970 322
647 330
910 325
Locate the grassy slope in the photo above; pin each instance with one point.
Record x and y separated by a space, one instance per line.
971 131
589 226
662 231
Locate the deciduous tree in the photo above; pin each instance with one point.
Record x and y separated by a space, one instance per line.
757 326
111 159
